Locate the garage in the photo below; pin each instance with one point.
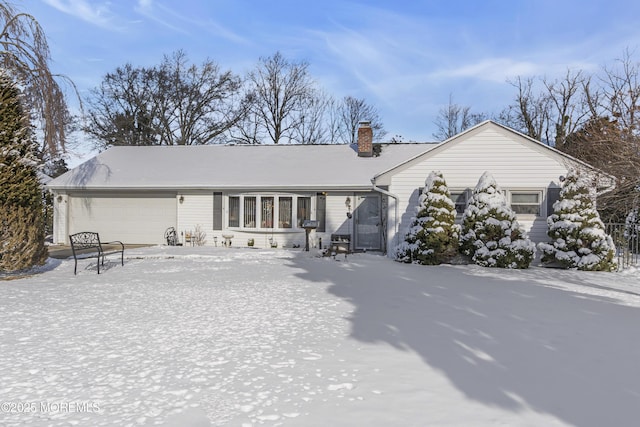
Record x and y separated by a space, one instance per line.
132 219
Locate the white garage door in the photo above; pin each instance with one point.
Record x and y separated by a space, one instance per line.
130 219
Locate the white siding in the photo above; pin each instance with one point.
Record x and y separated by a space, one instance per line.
337 221
130 218
60 211
196 209
516 164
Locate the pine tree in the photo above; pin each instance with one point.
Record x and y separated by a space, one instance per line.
578 235
491 235
433 236
21 209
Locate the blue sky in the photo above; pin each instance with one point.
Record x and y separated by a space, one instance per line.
404 57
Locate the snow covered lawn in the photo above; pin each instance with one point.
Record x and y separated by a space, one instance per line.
240 337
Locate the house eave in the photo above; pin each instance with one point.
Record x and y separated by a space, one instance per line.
385 176
177 188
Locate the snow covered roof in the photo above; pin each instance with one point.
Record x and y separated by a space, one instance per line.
44 178
234 167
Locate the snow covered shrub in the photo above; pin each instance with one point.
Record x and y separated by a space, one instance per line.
433 236
578 237
491 235
21 214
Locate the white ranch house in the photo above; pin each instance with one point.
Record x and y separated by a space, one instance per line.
264 192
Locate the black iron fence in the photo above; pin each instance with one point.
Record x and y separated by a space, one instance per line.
627 241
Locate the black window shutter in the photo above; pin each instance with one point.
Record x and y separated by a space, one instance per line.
553 195
217 211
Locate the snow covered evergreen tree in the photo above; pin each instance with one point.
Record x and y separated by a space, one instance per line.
433 236
491 235
578 235
21 214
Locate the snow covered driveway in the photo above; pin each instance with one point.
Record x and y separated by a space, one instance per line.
214 336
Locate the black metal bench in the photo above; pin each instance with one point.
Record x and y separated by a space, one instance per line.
87 245
340 243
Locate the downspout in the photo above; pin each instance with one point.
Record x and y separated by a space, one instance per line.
374 187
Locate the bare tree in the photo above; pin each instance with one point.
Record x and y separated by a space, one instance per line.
455 118
621 93
171 104
282 90
550 110
288 106
569 106
199 104
333 124
311 128
24 53
122 110
530 112
247 130
606 145
609 138
352 112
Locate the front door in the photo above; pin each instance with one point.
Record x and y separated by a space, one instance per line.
368 222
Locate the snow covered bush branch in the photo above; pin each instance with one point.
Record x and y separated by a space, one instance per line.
432 237
491 234
578 237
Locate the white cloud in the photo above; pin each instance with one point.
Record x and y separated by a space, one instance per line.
145 4
147 9
491 69
96 14
172 19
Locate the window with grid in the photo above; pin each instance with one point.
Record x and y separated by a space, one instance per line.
250 212
525 203
304 209
284 212
266 212
234 211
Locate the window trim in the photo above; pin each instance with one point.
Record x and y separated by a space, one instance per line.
249 217
538 193
287 213
227 214
300 207
467 194
275 214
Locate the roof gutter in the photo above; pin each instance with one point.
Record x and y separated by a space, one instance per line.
374 187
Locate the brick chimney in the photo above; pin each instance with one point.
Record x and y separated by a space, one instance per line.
365 139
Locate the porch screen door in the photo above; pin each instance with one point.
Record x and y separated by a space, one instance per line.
368 222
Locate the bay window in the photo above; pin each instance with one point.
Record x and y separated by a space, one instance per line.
249 212
284 212
234 211
304 209
269 211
